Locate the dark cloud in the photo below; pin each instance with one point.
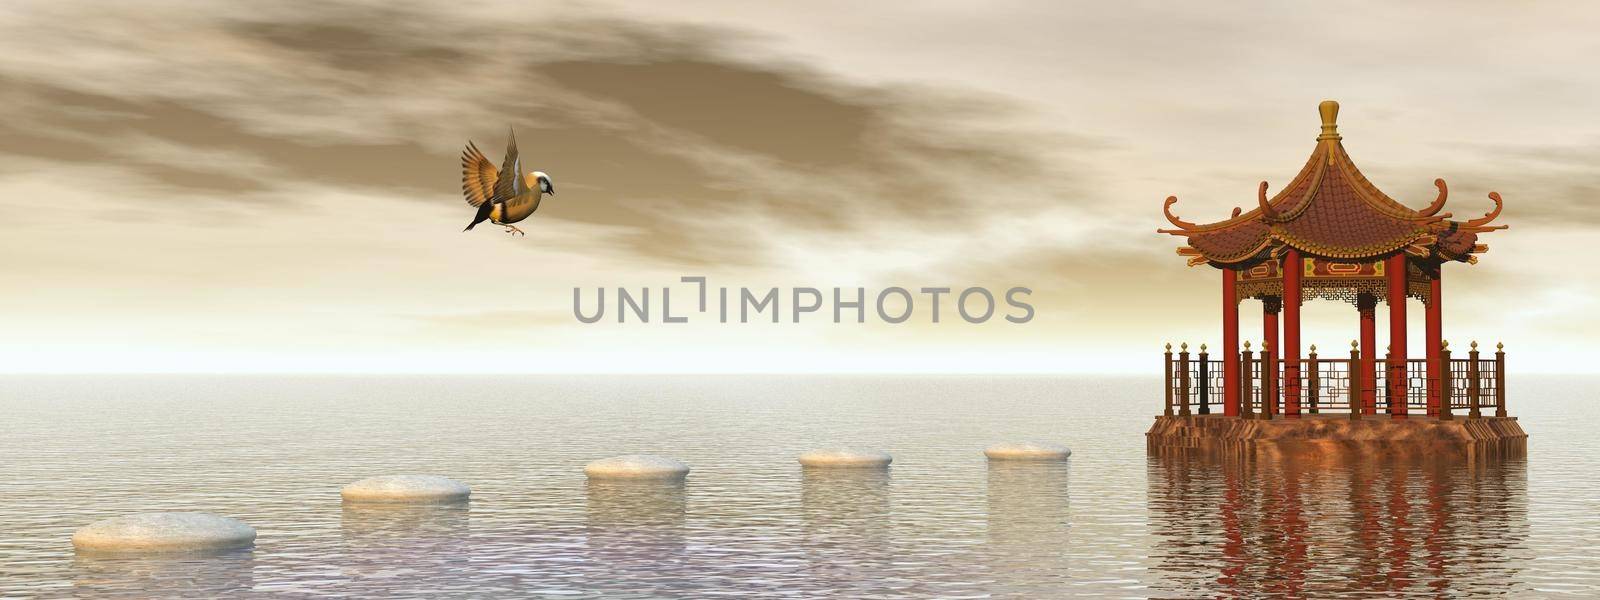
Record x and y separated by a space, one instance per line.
664 129
1551 185
356 49
775 114
91 129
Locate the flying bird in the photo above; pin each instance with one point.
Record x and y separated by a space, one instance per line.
501 196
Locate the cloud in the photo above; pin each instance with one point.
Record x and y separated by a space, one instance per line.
664 129
251 165
1543 185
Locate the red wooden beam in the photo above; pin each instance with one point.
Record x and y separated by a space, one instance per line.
1367 306
1435 335
1270 353
1230 343
1395 269
1292 269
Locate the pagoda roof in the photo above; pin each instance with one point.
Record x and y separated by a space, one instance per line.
1331 210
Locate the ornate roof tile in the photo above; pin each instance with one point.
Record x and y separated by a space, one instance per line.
1331 210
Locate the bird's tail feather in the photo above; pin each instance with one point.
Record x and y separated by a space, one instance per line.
483 215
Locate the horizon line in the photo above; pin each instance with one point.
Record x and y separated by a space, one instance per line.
686 373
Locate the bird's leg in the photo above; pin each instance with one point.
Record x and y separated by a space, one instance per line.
512 229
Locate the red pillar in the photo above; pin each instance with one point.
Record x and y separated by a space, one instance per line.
1292 268
1367 305
1230 343
1270 305
1395 270
1435 335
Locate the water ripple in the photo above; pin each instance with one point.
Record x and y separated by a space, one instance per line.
1111 522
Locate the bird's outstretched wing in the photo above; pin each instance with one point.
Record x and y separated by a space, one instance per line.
478 176
510 184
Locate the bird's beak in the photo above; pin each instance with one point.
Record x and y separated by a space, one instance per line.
552 190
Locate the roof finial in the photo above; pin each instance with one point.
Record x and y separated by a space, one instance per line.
1330 120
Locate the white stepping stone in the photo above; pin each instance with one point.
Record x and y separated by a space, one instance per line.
164 532
636 466
1027 451
406 489
846 458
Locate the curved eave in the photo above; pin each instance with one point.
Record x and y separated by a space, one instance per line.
1458 241
1291 202
1199 257
1375 197
1330 154
1452 243
1374 250
1356 220
1278 201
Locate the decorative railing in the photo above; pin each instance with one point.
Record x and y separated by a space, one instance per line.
1472 385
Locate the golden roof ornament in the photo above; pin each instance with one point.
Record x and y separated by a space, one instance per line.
1329 110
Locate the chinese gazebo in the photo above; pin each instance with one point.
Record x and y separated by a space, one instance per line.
1332 234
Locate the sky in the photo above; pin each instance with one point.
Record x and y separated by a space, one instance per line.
275 187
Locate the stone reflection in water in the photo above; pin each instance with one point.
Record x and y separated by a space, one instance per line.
384 541
1028 526
845 520
1324 526
178 575
636 532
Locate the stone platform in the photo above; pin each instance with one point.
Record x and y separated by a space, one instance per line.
1324 435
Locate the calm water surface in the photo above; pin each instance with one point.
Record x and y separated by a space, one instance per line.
1111 522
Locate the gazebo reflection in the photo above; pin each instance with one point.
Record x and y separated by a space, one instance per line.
1320 528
